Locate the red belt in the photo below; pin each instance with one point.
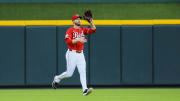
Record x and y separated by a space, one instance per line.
77 51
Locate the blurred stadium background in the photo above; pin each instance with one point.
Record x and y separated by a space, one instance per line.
140 62
56 11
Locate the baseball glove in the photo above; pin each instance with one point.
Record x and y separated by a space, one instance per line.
88 15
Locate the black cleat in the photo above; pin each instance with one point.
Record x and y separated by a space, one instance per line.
87 91
54 85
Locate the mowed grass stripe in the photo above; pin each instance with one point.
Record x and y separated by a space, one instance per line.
120 94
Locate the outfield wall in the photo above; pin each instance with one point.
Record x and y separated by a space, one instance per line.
115 55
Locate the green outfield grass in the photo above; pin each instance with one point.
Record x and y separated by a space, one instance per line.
118 94
54 11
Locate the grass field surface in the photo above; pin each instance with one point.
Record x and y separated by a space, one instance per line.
116 94
113 11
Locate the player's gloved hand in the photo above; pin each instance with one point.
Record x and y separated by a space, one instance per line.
88 16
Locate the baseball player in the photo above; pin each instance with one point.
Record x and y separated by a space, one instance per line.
75 39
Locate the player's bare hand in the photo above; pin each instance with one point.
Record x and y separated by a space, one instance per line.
82 40
91 21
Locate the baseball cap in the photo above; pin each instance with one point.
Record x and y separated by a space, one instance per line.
75 16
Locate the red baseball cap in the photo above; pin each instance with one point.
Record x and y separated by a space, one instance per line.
75 16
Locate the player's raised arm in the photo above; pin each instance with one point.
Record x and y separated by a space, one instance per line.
93 27
88 16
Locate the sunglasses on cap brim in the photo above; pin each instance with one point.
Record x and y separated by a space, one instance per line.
80 17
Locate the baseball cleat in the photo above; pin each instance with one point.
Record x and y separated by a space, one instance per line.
87 91
54 85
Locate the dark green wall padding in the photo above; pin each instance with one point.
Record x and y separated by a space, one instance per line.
137 54
105 56
40 54
166 54
12 55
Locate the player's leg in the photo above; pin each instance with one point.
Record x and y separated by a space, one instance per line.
81 65
71 64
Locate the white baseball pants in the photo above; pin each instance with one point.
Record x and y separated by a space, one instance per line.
73 60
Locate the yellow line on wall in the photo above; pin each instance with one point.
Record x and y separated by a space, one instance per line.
97 22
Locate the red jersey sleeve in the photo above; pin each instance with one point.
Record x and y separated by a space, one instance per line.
88 30
68 36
